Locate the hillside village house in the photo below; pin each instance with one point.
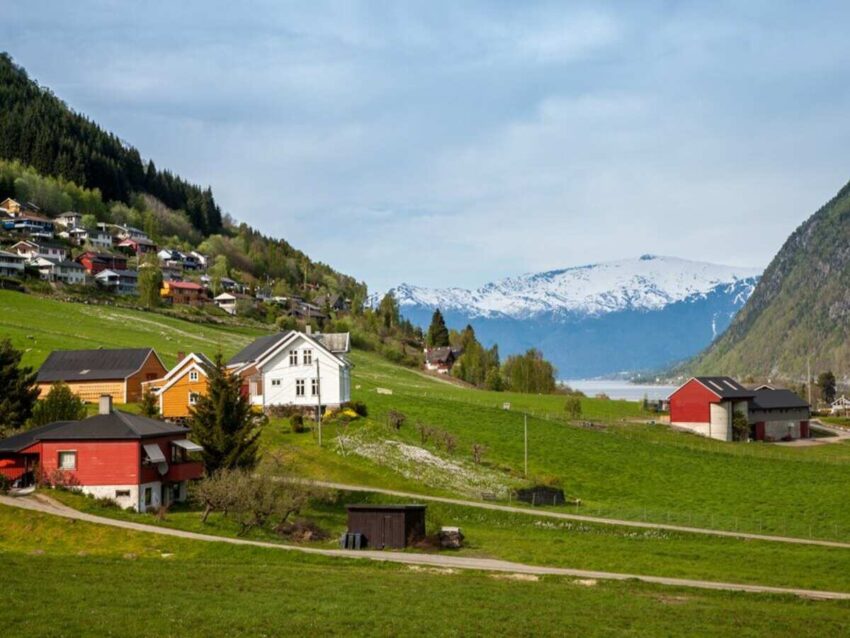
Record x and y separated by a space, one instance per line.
707 405
34 249
226 302
441 359
138 246
295 368
16 208
135 461
66 272
81 236
93 373
179 390
69 219
95 262
32 225
11 264
122 282
183 292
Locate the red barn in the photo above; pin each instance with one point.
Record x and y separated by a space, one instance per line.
136 461
706 405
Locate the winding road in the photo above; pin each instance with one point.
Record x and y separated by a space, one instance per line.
434 561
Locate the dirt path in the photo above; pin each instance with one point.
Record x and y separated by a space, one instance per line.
580 517
439 561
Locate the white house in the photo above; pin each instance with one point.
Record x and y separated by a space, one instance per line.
11 264
226 302
296 368
69 272
32 250
69 219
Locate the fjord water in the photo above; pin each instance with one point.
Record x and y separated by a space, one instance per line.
620 389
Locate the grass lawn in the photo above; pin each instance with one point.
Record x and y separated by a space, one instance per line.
40 325
528 539
72 578
628 470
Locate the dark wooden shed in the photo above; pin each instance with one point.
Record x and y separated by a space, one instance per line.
387 525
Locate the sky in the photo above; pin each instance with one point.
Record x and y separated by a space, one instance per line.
455 143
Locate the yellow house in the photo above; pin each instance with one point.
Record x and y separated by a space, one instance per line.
92 373
178 390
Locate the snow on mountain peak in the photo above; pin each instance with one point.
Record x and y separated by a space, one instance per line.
648 282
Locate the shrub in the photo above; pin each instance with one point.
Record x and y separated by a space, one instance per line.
296 423
425 431
358 406
572 407
396 419
5 484
478 451
450 442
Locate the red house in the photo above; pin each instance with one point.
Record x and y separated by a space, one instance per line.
136 461
96 262
707 405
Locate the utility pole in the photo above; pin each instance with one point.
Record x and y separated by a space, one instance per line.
319 401
525 433
809 378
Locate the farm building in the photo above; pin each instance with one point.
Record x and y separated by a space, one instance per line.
179 390
387 525
93 373
707 405
136 461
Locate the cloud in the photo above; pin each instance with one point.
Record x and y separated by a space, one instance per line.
453 143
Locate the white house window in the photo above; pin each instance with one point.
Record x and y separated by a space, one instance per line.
293 357
299 388
148 496
314 386
308 357
193 375
122 493
276 382
193 398
67 460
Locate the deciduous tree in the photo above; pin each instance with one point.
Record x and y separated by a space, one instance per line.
60 404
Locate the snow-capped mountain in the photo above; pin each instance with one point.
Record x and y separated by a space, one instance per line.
597 319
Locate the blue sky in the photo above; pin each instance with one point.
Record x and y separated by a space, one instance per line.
453 143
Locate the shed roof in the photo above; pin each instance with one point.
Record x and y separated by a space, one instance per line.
770 399
112 426
92 365
378 507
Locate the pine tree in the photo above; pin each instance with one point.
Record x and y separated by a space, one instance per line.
438 333
149 406
224 424
19 390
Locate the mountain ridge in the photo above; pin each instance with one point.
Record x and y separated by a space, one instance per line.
629 314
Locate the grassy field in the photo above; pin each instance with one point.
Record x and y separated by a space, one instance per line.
39 325
620 467
73 578
533 540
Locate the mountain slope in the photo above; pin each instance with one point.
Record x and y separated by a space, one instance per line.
800 308
631 314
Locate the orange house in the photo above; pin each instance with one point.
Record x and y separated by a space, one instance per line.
178 390
93 373
183 292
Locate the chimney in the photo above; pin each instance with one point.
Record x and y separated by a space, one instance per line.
105 404
309 329
180 356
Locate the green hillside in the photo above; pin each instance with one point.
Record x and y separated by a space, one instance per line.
618 467
800 308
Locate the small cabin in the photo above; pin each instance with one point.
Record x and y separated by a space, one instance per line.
382 526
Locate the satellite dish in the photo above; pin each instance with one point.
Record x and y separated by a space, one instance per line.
162 468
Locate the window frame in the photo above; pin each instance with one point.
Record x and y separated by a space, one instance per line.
60 466
300 388
293 357
307 356
314 387
193 398
193 375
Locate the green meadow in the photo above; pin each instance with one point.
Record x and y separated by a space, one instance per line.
74 578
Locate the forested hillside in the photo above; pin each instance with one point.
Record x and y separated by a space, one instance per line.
800 308
61 160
